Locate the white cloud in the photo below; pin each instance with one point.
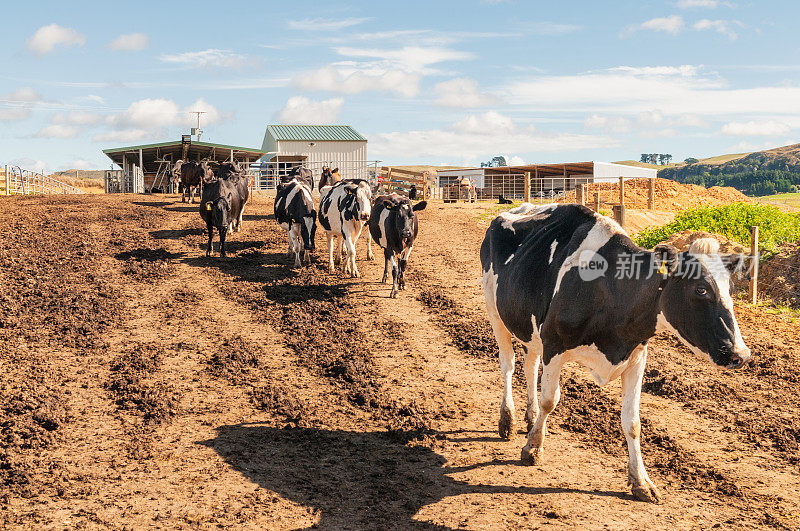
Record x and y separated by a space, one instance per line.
754 128
710 4
211 58
95 98
130 42
461 92
410 58
16 106
48 37
301 110
615 124
27 163
682 70
79 164
151 113
514 160
321 24
723 27
745 146
490 122
58 131
349 80
477 137
124 135
673 25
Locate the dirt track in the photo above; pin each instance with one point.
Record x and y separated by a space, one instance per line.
145 385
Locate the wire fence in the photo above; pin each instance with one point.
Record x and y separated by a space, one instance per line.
17 180
267 175
778 278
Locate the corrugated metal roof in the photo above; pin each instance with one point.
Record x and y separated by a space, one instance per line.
322 133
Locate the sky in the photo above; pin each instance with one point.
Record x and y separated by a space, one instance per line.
427 82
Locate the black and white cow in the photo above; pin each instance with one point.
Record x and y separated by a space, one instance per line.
394 225
303 174
572 286
222 203
294 211
343 210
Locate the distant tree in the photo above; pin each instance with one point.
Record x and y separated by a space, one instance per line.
653 158
496 162
645 158
691 160
664 159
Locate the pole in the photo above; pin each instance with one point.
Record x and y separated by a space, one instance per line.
651 194
754 264
579 195
622 192
597 201
527 192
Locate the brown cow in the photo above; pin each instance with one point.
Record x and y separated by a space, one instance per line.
191 175
329 177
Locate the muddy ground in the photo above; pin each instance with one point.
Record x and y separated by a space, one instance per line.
145 385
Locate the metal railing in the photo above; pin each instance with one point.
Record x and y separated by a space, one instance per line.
267 175
21 181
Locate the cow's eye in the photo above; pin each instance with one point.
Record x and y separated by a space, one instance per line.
701 291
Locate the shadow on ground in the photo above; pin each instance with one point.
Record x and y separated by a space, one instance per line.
355 480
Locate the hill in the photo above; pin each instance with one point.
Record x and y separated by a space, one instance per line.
759 173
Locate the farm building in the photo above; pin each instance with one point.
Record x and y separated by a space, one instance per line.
546 180
314 146
146 167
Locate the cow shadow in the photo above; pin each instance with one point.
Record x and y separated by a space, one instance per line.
154 204
176 234
257 217
354 480
148 255
190 207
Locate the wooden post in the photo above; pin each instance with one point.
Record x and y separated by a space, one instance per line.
579 198
754 264
527 193
622 191
651 194
7 182
597 201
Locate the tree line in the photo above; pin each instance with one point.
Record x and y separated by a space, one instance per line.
749 175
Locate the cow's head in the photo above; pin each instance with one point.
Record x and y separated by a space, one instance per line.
176 171
696 303
358 200
228 170
404 217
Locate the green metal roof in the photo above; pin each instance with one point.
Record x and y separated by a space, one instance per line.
319 133
178 142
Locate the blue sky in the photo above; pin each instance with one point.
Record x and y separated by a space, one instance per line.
441 82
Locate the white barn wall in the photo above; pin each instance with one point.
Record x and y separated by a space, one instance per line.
348 156
608 171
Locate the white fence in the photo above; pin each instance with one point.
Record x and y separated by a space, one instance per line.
21 181
267 175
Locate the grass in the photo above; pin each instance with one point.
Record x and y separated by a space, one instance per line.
732 221
792 199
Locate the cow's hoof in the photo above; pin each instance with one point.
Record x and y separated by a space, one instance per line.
370 256
646 492
507 425
384 280
393 294
530 456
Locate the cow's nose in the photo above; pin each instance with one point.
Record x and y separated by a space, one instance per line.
406 234
364 217
739 358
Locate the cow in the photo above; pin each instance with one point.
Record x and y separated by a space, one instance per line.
329 177
343 210
191 175
503 201
551 278
222 203
300 173
393 224
412 192
294 211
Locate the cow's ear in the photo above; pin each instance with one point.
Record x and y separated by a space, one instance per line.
335 170
420 206
734 263
388 204
666 257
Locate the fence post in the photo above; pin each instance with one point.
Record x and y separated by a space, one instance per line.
8 192
597 201
622 191
754 264
651 194
526 194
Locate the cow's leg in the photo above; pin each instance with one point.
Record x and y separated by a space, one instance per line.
533 355
210 228
387 254
223 231
239 220
507 424
331 239
351 254
297 241
641 486
395 274
403 263
551 392
370 256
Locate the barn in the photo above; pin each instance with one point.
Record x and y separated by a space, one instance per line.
146 167
314 146
546 180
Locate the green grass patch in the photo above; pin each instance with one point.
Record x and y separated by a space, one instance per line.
792 199
732 221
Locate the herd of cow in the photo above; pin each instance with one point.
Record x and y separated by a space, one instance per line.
551 279
345 207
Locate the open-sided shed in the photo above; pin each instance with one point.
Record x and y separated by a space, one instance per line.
146 167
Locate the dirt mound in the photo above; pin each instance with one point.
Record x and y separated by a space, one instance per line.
779 276
669 195
682 241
